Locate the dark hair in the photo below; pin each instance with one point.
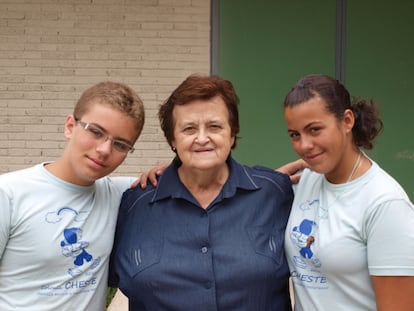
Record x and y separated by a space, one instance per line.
204 88
368 123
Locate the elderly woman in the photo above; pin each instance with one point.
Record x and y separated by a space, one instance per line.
210 235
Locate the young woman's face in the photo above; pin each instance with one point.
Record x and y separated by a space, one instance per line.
202 133
318 137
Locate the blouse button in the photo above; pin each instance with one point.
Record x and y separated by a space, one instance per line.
204 249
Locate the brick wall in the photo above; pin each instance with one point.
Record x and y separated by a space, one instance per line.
51 50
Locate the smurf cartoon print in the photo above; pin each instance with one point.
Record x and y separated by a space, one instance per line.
72 244
303 238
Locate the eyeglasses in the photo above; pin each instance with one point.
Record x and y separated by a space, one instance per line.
100 136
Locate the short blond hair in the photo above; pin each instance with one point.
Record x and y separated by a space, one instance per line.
116 95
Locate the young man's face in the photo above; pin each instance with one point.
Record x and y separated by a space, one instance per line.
91 152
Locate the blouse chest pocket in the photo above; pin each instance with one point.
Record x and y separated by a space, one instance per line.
145 253
267 241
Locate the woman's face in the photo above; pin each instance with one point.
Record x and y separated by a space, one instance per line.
202 133
318 137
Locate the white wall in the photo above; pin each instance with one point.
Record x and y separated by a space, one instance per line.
51 50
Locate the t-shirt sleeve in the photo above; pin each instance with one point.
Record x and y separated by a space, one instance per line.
123 183
390 238
5 212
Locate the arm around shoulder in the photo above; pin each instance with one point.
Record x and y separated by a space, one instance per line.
293 170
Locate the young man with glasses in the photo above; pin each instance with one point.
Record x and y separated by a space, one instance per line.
57 219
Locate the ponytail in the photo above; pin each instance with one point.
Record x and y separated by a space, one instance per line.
368 124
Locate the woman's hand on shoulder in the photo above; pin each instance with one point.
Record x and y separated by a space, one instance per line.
293 169
150 176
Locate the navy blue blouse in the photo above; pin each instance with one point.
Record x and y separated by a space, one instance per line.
171 254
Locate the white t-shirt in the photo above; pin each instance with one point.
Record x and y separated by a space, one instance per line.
55 240
340 234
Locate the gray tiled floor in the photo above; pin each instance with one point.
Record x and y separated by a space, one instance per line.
119 303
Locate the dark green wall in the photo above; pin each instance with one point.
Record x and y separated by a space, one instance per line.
380 65
265 46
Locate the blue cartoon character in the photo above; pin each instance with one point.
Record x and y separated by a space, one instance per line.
72 246
302 236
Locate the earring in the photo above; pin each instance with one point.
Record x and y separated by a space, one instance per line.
173 149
